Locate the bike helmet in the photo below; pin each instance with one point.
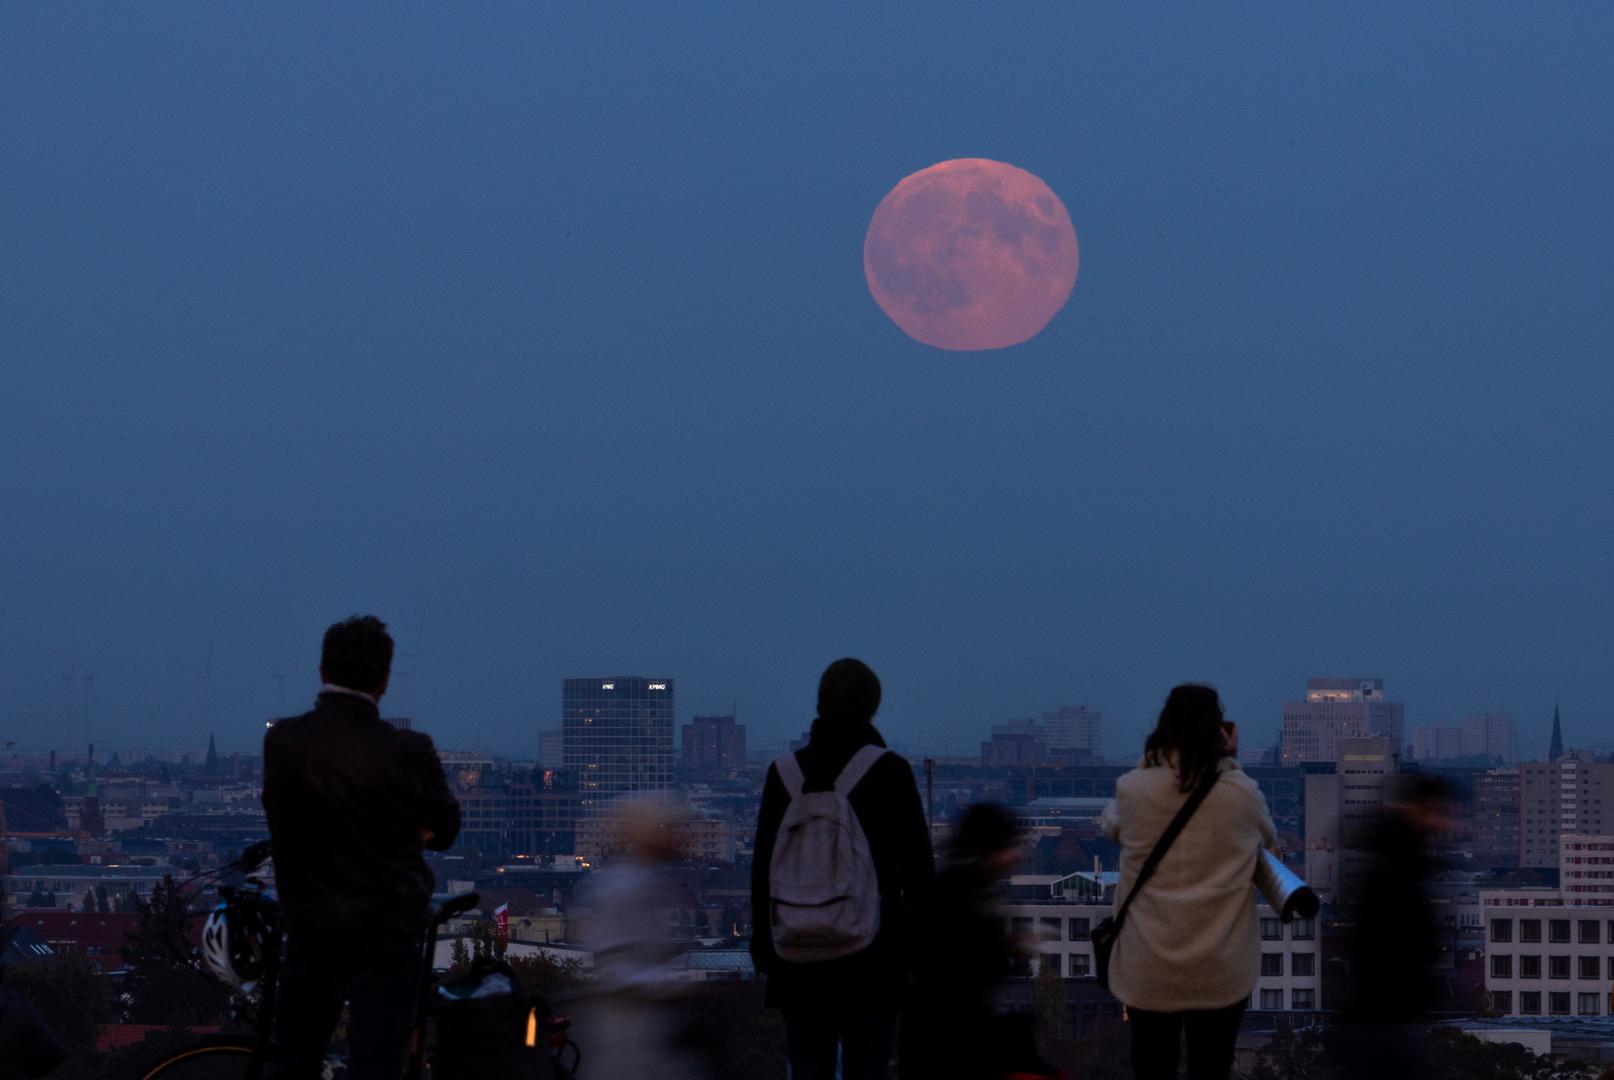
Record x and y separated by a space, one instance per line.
233 943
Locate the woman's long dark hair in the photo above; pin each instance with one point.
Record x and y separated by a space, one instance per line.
1189 730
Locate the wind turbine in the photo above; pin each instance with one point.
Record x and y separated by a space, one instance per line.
206 676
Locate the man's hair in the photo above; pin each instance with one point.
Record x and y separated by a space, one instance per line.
848 693
984 829
1423 789
357 653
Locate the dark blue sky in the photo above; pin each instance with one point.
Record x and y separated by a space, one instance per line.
550 321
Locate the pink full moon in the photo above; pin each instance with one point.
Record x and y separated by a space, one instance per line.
971 254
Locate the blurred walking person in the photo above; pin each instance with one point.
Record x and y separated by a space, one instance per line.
840 885
954 1027
630 1020
1393 941
1187 956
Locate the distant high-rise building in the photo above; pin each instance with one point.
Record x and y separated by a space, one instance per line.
402 723
552 749
1336 709
1437 742
1073 729
1482 738
1555 749
713 744
1574 794
1015 742
617 736
1340 808
1493 736
1496 817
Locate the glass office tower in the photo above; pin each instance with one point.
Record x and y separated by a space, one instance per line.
617 736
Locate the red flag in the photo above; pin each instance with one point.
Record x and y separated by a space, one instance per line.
501 922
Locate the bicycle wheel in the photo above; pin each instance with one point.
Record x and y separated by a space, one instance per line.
223 1057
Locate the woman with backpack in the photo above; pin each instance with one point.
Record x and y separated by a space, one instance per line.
1187 954
840 885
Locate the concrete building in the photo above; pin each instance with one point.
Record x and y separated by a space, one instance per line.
1341 806
1549 953
1056 813
1586 872
552 749
704 838
1482 738
1496 817
1437 742
617 736
1014 742
1493 736
1334 709
1075 730
713 745
1574 794
525 814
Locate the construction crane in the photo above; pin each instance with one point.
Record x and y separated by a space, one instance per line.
411 668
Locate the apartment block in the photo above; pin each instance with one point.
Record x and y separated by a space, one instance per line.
1574 794
1074 729
1496 817
1550 952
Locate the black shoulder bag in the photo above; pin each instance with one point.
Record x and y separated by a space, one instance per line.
1106 933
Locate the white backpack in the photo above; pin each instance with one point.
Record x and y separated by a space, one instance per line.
826 898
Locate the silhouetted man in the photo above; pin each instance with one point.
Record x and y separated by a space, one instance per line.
351 803
1393 941
846 1007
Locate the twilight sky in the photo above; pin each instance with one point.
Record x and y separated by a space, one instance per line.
549 322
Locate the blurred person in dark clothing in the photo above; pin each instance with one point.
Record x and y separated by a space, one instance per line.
351 802
847 1007
953 1027
1392 944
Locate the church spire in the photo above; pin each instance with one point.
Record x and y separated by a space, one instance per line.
1556 749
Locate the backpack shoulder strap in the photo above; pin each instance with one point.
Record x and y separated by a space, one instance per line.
858 768
789 770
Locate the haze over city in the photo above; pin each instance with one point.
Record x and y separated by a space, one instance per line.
547 339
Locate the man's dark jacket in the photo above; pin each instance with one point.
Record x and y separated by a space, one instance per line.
887 806
1393 942
347 795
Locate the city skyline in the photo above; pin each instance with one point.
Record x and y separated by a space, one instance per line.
1115 744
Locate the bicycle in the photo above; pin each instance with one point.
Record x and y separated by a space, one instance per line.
253 910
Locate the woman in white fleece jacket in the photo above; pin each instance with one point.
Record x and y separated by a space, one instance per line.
1188 955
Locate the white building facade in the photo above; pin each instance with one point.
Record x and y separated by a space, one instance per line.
1550 952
